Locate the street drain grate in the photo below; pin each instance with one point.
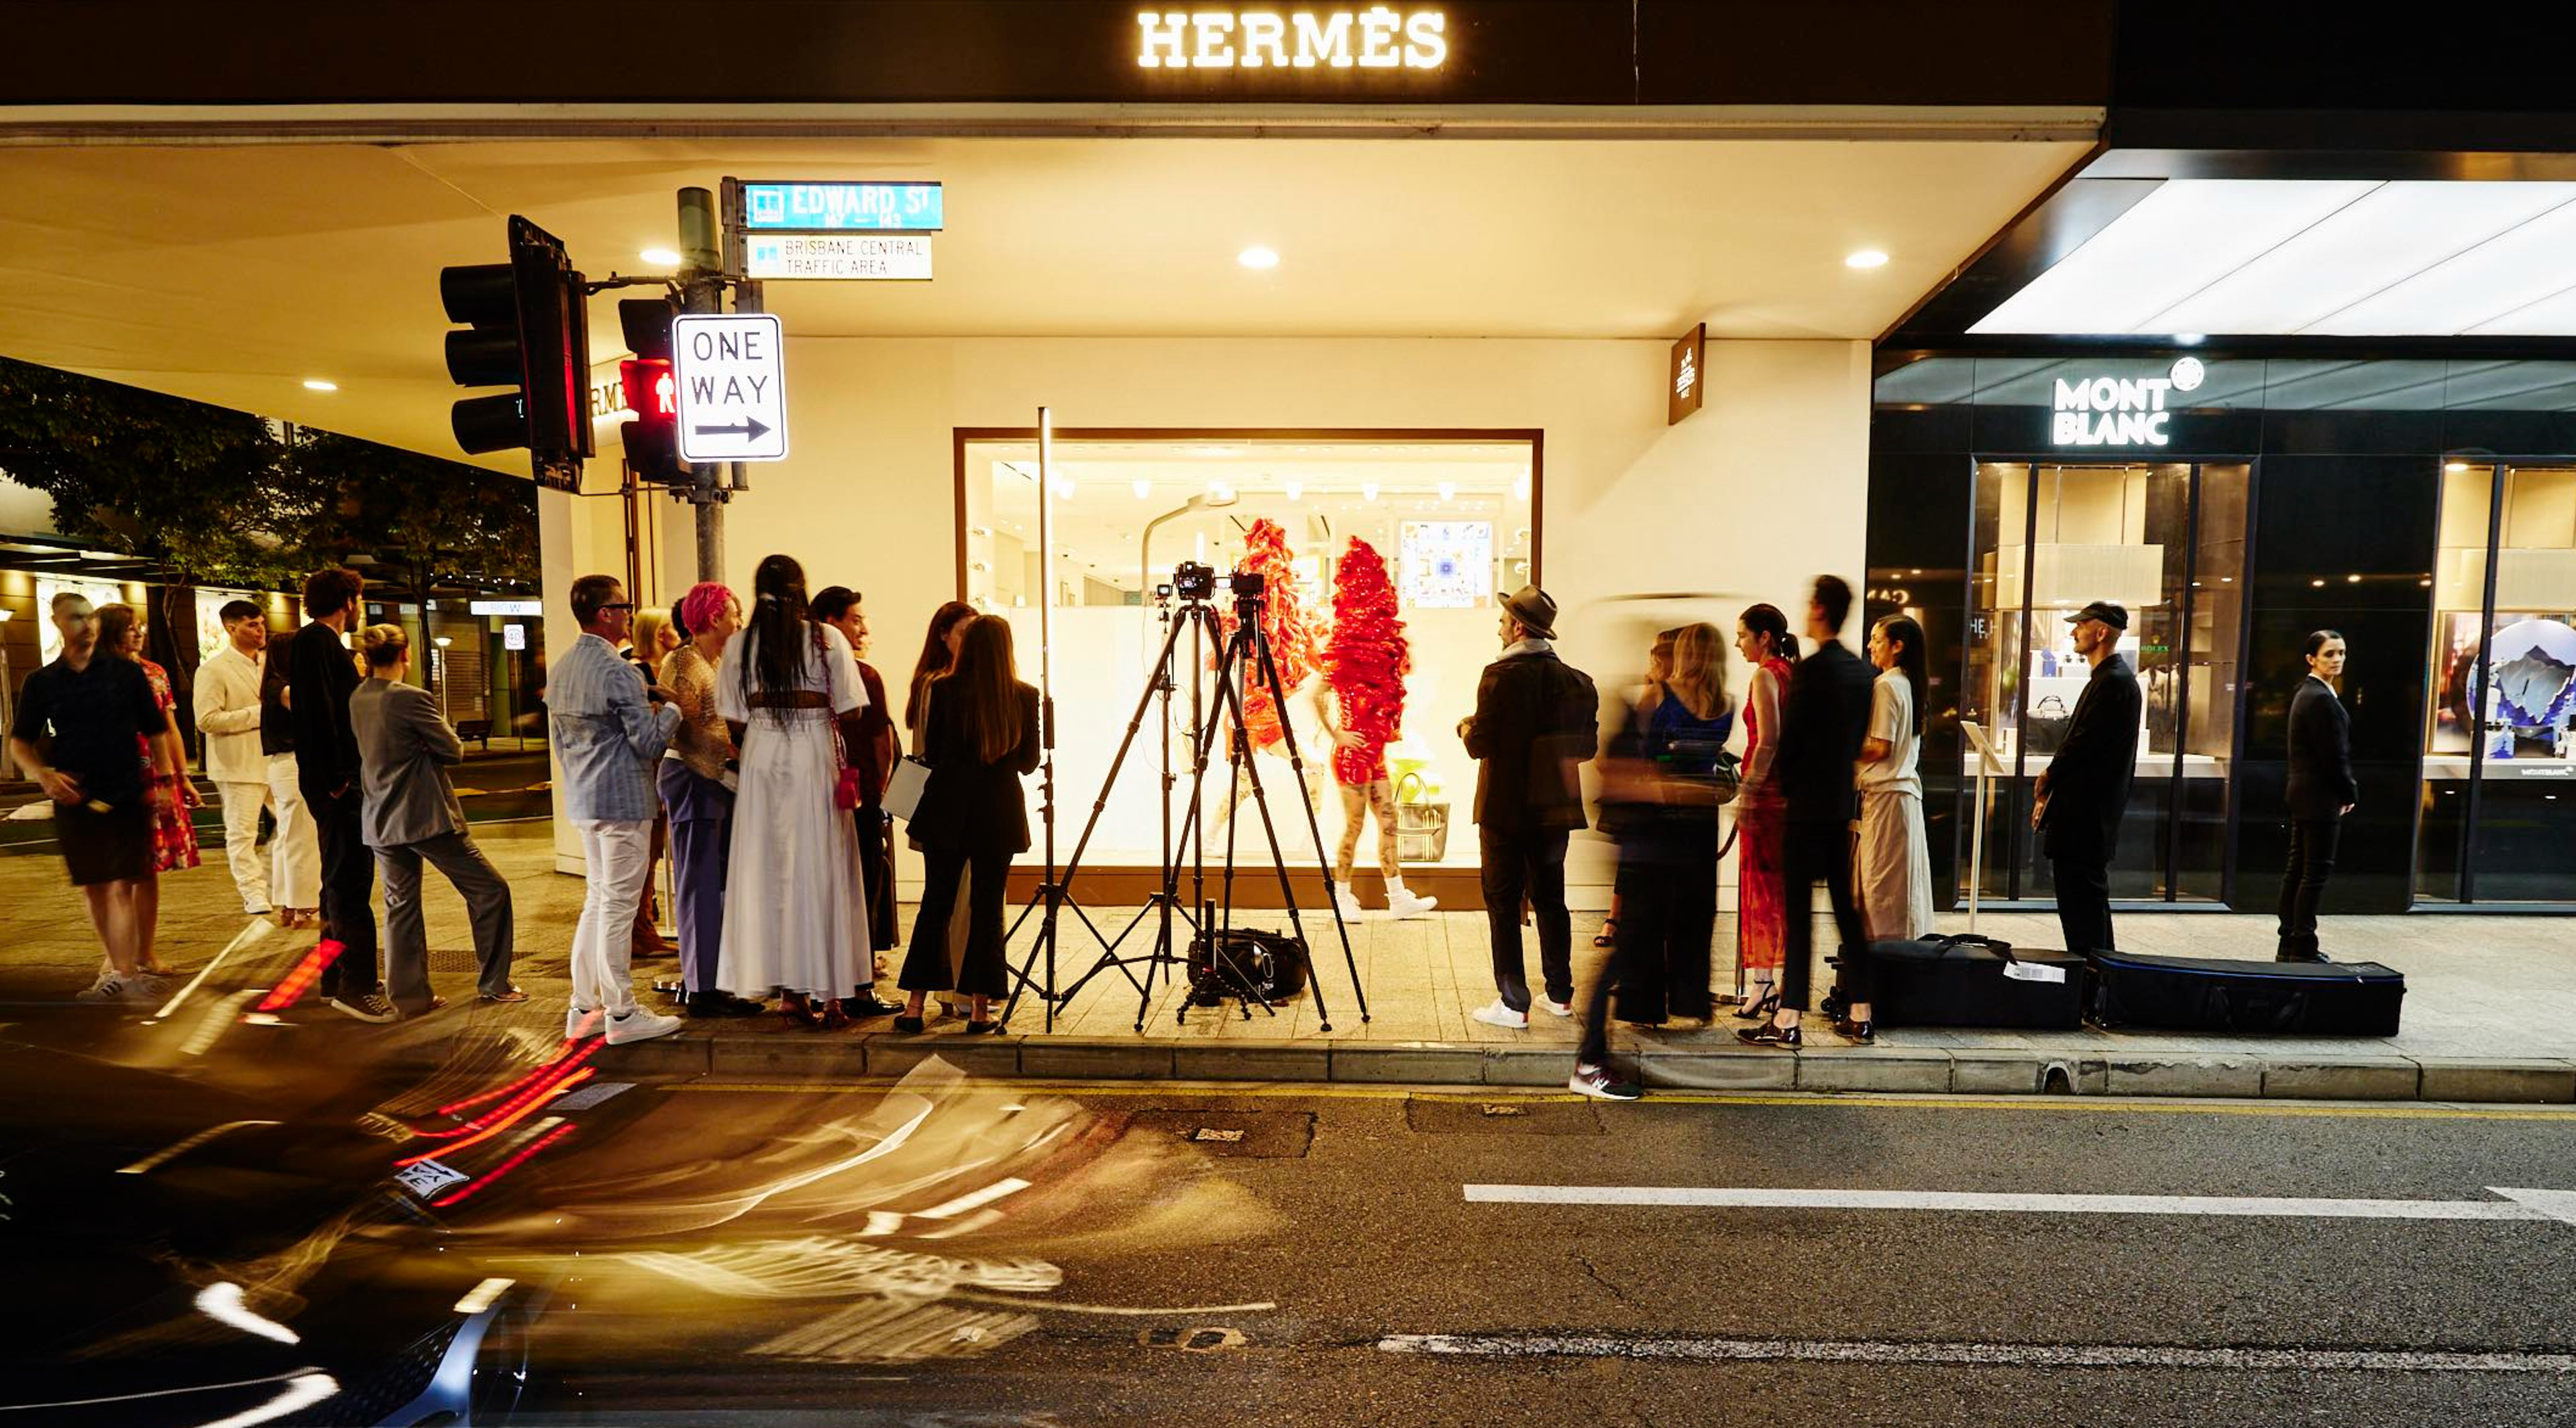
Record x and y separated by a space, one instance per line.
1257 1134
1458 1115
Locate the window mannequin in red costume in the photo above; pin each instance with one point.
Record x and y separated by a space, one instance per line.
1361 701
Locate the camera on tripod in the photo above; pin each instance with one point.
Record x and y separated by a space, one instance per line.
1192 580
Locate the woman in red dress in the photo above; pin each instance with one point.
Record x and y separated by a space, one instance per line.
1761 917
174 835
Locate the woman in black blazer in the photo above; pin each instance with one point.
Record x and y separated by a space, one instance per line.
979 738
2322 791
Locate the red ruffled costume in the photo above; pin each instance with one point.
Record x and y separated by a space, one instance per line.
1365 663
1283 621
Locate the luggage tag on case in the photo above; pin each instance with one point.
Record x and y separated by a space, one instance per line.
2032 972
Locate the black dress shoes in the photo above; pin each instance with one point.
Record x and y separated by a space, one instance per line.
867 1005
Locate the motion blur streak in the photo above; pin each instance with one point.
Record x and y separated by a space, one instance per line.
217 1020
300 981
301 1392
964 1203
486 1127
259 928
483 1296
223 1303
157 1393
557 1059
505 1167
160 1158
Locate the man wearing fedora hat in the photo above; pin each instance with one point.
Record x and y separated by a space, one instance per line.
1537 721
2085 788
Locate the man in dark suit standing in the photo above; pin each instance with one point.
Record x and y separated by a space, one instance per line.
2085 788
1537 721
2322 791
1823 723
321 675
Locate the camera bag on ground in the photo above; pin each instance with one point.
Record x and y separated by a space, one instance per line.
2131 990
1270 963
1966 980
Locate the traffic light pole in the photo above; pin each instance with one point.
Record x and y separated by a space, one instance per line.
706 250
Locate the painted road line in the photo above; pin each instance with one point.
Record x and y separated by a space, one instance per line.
2096 1105
2559 1205
159 1158
2053 1356
259 927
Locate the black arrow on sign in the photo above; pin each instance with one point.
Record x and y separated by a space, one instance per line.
751 429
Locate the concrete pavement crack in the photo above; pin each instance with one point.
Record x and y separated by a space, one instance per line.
1586 1262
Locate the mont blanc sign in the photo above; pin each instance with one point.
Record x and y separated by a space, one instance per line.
2120 411
1211 37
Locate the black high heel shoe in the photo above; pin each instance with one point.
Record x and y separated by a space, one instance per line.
1761 1010
1787 1038
1858 1032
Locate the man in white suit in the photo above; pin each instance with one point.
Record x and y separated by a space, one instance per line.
228 713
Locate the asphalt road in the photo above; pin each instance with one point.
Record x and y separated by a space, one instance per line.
942 1251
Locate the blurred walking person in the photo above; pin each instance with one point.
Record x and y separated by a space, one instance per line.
321 675
2081 796
980 737
226 706
74 733
174 835
1537 721
2322 792
1821 732
697 781
609 731
1761 814
405 748
1893 872
795 920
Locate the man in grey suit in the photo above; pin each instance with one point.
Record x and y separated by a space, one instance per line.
411 815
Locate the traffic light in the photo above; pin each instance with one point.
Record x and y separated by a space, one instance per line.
652 436
528 328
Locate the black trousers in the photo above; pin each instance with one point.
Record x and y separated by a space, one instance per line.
348 888
2084 903
1813 852
876 871
982 971
1530 862
1667 909
2303 881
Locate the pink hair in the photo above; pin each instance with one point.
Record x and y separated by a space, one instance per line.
705 601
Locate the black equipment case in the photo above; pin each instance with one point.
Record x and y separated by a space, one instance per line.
2215 994
1254 962
1968 980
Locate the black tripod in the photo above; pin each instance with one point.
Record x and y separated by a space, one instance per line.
1243 654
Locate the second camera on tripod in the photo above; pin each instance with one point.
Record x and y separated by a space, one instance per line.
1195 581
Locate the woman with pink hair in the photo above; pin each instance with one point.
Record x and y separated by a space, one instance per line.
697 792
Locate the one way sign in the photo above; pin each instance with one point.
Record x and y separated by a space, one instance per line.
731 369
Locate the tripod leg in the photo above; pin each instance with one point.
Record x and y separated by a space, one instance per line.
1315 830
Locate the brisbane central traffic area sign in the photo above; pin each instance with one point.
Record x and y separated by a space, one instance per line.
731 369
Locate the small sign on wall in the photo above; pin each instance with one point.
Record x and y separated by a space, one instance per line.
1689 374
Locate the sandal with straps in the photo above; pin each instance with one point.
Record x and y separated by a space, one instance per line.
1608 936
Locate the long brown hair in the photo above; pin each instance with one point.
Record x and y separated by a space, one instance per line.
1698 670
987 679
934 659
114 620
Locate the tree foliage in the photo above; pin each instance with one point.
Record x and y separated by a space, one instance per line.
432 522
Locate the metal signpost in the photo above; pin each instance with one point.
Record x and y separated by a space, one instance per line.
1987 768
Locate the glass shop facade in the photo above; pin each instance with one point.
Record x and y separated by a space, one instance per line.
2423 507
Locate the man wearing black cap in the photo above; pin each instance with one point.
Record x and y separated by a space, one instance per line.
1537 720
2085 788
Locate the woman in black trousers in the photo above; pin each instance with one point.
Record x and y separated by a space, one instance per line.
2322 791
979 737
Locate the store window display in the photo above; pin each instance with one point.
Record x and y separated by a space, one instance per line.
1360 701
1442 519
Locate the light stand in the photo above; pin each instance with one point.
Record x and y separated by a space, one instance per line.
8 705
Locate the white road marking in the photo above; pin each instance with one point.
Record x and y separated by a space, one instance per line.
2051 1356
2557 1205
258 928
223 1304
157 1159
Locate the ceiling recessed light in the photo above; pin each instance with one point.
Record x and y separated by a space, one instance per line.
1866 258
1141 487
2189 339
2455 467
316 384
662 257
1257 257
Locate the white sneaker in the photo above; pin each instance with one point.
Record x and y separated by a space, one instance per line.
641 1025
1348 904
1598 1083
1401 903
581 1023
1500 1015
1554 1008
108 988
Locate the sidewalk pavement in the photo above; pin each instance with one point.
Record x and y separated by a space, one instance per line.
2490 1013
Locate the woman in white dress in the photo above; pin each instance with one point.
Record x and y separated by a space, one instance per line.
795 919
1894 881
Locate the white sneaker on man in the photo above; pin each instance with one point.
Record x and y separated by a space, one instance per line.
1500 1015
1347 902
582 1023
641 1025
1401 903
1598 1083
1554 1008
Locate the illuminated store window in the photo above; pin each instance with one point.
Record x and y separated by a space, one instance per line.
2499 758
2167 541
1452 519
